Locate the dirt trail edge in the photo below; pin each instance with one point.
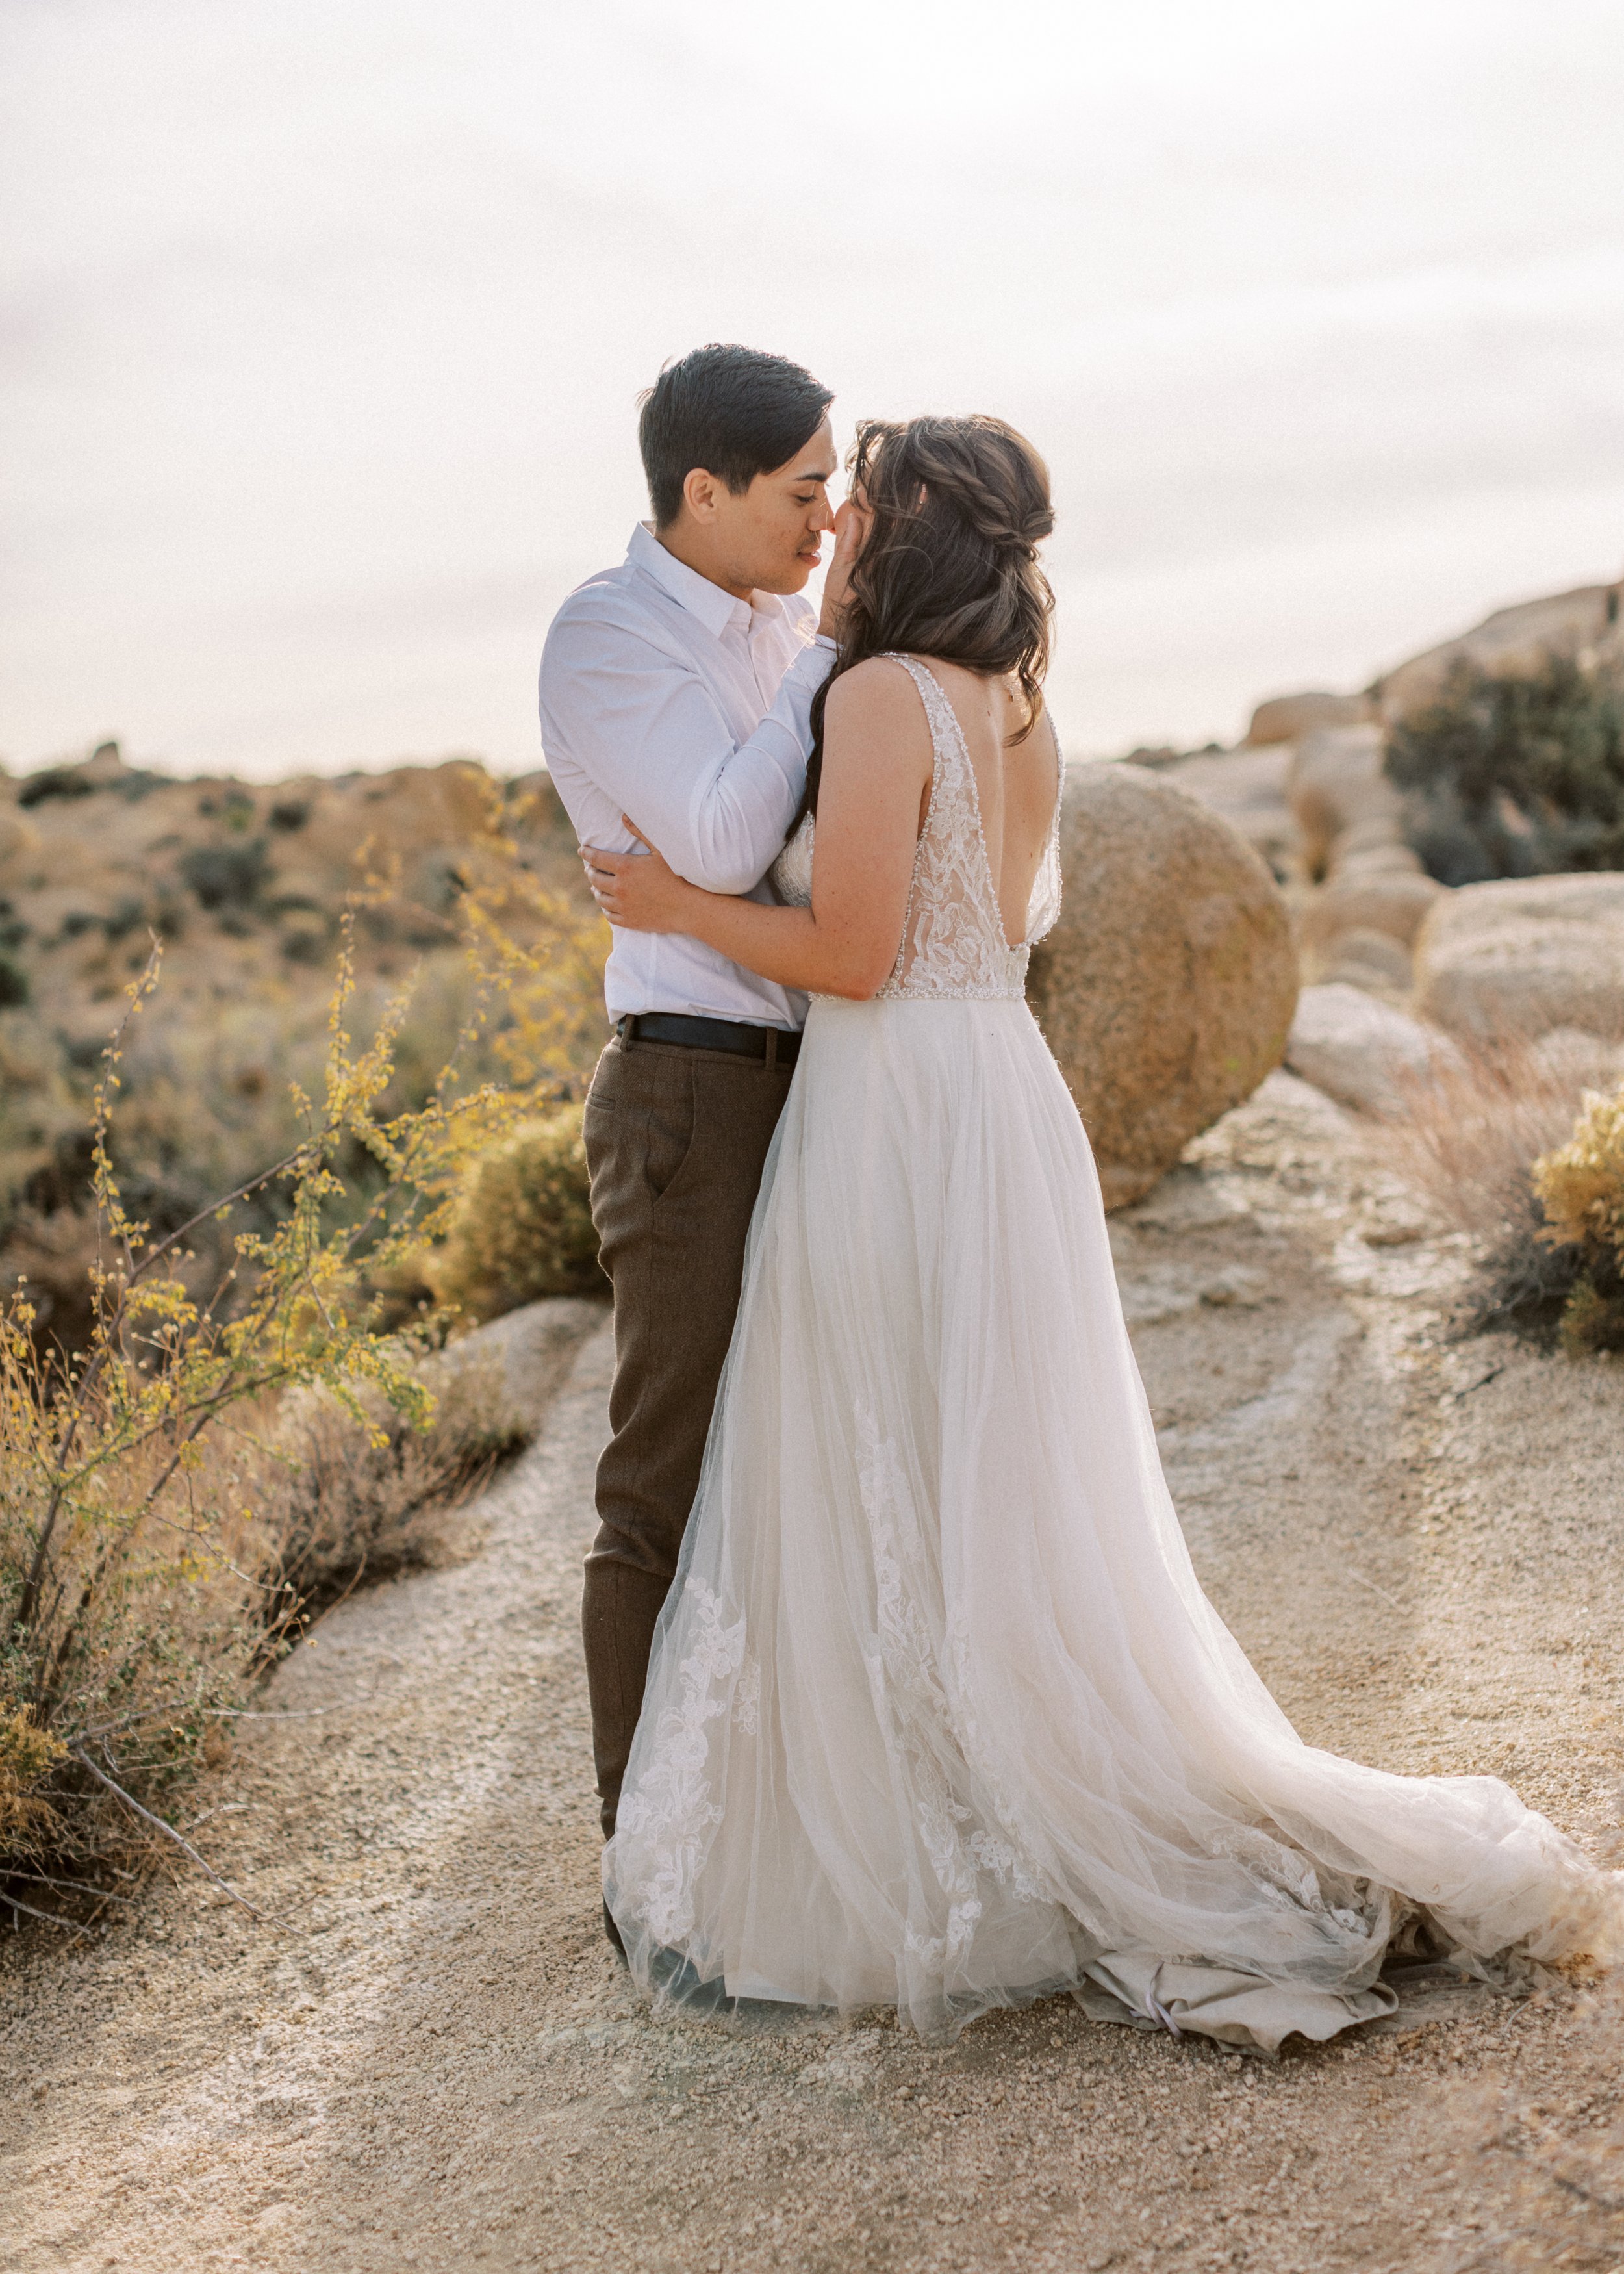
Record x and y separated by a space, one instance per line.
435 2062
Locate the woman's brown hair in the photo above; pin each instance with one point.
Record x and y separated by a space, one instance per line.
950 565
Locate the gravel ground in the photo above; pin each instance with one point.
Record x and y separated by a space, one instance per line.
433 2061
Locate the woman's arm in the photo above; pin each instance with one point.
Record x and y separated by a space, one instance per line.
876 771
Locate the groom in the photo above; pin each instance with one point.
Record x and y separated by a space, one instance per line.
676 689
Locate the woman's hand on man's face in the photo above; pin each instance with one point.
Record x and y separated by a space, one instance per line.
637 891
851 528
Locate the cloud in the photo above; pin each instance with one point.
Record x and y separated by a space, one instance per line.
321 328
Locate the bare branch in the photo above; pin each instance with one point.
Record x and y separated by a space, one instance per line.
266 1176
71 1886
50 1918
169 1833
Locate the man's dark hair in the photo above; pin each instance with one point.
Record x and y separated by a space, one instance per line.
731 410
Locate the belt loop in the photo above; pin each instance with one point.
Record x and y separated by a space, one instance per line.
629 1030
772 1049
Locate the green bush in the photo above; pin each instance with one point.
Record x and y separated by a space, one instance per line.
1518 776
54 782
525 1228
226 876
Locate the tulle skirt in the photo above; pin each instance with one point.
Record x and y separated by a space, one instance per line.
938 1714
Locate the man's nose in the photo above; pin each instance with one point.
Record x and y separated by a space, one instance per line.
824 513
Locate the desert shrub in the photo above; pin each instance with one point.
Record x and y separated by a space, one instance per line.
300 1508
38 1103
1467 1140
524 1228
126 913
54 782
1515 776
151 1559
227 1432
53 1257
342 1499
208 1097
14 988
227 876
1580 1187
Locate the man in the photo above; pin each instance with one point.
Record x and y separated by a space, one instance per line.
676 689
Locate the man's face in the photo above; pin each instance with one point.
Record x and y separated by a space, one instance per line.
768 538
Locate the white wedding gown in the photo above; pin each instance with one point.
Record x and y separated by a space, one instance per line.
938 1716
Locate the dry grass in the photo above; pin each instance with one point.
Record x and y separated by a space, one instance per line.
211 1424
1544 2141
1467 1140
342 1503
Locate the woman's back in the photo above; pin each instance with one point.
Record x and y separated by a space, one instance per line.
985 880
1017 783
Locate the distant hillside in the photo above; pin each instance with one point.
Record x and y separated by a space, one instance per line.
244 881
245 885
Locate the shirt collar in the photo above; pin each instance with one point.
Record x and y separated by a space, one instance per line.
715 609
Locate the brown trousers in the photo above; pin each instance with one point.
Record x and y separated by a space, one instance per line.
676 1141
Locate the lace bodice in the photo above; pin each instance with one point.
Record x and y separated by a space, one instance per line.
952 947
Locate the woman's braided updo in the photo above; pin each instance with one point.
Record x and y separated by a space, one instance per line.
950 567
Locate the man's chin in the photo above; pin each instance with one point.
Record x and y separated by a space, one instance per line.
793 579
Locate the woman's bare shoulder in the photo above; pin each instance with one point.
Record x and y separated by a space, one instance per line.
878 696
878 680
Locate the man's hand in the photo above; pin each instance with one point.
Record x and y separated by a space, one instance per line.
851 531
637 891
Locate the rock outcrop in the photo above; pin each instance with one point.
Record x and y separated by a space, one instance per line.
1362 1051
1288 717
1525 956
1167 988
1371 891
1350 815
246 881
1512 640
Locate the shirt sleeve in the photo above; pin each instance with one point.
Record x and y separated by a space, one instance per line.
645 729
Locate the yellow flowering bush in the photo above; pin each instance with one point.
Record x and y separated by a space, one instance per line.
144 1563
1580 1186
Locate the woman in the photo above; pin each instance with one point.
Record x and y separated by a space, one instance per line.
938 1715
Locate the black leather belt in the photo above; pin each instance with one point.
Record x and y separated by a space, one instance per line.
775 1045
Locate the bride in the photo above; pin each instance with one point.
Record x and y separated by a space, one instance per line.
938 1716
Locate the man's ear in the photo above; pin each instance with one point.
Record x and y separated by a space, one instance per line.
699 493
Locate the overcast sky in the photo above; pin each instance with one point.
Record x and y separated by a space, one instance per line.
322 324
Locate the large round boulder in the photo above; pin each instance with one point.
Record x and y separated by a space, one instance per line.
1167 988
1525 956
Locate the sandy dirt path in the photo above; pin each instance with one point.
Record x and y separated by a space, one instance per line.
435 2063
